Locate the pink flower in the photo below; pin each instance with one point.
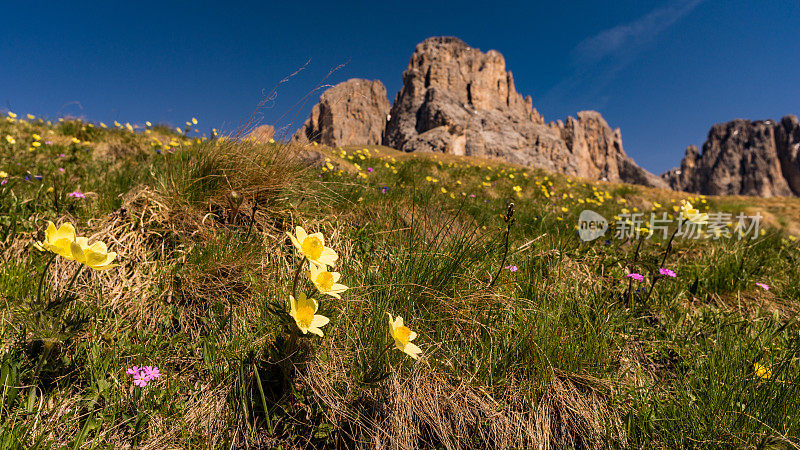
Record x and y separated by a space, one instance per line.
763 286
635 276
143 375
61 169
150 373
76 194
667 272
139 380
511 268
369 169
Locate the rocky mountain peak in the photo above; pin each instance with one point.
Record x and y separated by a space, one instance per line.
457 99
743 157
353 112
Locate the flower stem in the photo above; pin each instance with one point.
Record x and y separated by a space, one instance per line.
509 220
297 277
663 261
41 279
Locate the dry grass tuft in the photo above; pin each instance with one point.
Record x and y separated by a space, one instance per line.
424 410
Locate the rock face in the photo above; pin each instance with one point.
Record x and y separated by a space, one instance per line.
262 133
353 112
743 157
457 99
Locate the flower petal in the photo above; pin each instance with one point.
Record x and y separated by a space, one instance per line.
301 234
319 321
412 350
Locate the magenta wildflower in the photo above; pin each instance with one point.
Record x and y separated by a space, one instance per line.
763 286
667 272
369 169
61 155
143 375
139 380
636 276
150 373
511 268
76 194
61 169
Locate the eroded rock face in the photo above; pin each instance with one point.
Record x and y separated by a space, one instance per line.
353 112
457 99
262 133
743 157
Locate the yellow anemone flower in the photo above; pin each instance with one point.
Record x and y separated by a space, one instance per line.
58 241
762 372
313 247
326 282
95 256
403 336
303 311
691 214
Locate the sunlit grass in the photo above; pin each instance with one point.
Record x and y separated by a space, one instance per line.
564 350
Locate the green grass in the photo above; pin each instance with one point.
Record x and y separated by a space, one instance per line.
563 352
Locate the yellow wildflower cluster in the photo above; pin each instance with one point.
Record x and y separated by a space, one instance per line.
321 260
65 243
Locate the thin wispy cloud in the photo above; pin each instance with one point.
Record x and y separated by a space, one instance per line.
631 37
599 58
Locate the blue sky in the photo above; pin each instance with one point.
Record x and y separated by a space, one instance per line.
662 71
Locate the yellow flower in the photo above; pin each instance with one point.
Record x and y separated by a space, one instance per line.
403 336
194 121
10 139
3 174
326 282
36 137
148 123
313 247
76 140
12 115
103 125
117 124
58 241
762 372
95 256
691 214
36 144
31 116
303 311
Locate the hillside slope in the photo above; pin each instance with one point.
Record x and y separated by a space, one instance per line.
440 315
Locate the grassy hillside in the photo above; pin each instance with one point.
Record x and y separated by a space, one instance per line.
529 336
